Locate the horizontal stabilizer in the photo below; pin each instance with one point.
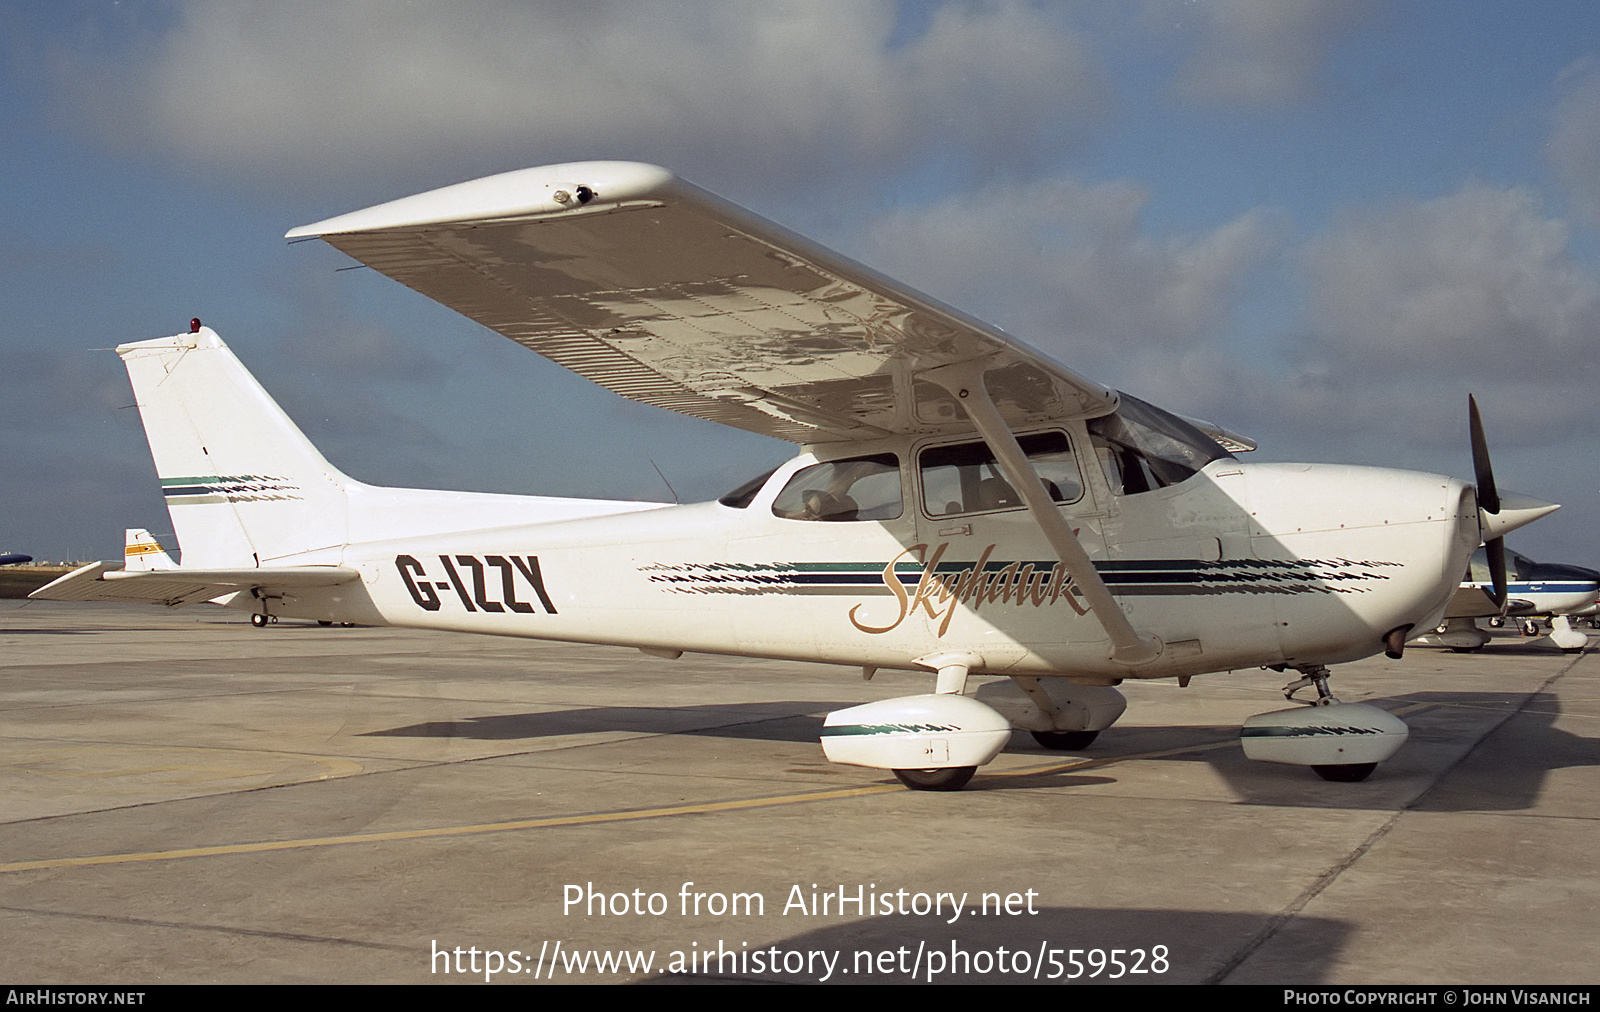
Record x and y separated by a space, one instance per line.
107 581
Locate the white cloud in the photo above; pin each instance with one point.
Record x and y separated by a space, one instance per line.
1574 148
1256 52
1066 266
305 86
1454 283
1412 303
1375 329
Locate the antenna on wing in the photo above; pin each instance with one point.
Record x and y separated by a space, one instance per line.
675 500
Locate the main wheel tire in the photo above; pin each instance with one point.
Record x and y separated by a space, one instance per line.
951 778
259 621
1346 773
1065 741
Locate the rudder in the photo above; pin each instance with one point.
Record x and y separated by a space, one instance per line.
243 485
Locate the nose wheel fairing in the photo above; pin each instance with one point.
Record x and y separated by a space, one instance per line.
1342 742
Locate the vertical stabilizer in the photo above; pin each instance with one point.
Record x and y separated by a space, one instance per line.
243 485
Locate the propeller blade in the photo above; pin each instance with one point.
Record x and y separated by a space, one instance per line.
1488 495
1496 550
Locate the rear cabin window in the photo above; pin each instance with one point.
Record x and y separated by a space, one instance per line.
965 477
857 488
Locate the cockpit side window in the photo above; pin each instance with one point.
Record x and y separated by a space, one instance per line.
857 488
965 478
1519 568
1142 448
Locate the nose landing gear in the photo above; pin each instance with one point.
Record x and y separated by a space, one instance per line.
1341 742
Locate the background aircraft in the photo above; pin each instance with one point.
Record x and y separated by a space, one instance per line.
1533 589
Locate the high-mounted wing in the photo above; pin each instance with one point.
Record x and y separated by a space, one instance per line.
669 295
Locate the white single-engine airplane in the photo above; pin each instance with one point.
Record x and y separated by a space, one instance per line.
1531 589
962 504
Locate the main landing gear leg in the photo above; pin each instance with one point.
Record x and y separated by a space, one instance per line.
952 681
1073 721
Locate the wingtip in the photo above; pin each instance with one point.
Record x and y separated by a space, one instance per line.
545 189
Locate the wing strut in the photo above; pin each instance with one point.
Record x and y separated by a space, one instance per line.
965 381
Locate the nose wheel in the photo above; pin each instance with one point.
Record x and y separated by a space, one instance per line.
1341 742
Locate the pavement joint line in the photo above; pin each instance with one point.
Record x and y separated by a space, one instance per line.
1276 922
288 936
592 818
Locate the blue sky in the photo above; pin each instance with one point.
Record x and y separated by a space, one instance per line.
1321 223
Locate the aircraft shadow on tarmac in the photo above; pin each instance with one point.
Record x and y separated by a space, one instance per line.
1504 772
53 632
1457 740
1508 769
792 721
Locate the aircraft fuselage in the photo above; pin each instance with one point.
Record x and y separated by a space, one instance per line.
1238 565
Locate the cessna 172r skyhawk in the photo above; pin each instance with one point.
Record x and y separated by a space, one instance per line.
962 504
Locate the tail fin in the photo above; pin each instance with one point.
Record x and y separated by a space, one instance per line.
243 485
141 552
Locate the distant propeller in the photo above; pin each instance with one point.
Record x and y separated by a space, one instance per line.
1488 502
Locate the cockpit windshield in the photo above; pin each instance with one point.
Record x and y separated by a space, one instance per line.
1142 448
745 494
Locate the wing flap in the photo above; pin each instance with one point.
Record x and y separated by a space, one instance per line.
669 295
107 581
